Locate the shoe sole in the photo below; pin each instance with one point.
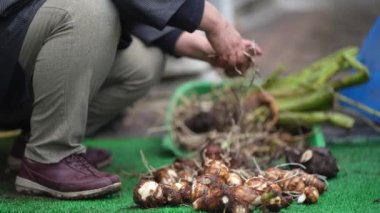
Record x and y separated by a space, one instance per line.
26 186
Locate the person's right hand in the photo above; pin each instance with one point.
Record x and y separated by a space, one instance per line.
230 48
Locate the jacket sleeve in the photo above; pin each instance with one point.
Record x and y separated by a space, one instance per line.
165 39
8 7
160 13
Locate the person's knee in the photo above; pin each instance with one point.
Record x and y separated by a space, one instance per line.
139 73
150 72
137 67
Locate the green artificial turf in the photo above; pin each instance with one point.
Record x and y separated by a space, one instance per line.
354 190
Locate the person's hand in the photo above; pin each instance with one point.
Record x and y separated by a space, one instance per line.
251 49
196 46
232 52
228 46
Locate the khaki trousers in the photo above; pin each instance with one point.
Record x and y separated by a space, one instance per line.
80 81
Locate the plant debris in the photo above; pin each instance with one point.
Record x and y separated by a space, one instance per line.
230 123
218 187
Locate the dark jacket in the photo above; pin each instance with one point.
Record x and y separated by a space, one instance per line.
15 17
147 19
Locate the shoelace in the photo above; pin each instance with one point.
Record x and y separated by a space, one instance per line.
79 161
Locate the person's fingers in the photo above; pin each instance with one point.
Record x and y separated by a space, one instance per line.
231 69
231 72
241 59
244 66
232 60
257 49
252 48
220 62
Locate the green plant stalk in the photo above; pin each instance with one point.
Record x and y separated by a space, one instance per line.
358 105
291 92
288 82
318 74
311 90
361 75
273 76
316 100
327 73
312 72
287 87
318 117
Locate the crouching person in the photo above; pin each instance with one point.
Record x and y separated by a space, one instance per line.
69 67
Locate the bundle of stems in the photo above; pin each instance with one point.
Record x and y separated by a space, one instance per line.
307 97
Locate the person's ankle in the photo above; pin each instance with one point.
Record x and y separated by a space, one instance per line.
99 158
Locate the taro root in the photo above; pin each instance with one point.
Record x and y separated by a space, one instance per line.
166 176
184 188
203 183
307 179
274 174
258 184
207 192
186 169
275 188
187 175
316 160
236 208
311 180
201 122
148 194
198 189
277 203
320 161
285 179
182 163
311 194
292 155
294 184
214 188
286 200
177 193
211 179
212 151
240 198
234 179
216 167
172 194
210 201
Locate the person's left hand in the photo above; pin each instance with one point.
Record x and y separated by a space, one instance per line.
197 46
251 49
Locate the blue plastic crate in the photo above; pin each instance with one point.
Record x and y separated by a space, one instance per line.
369 92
